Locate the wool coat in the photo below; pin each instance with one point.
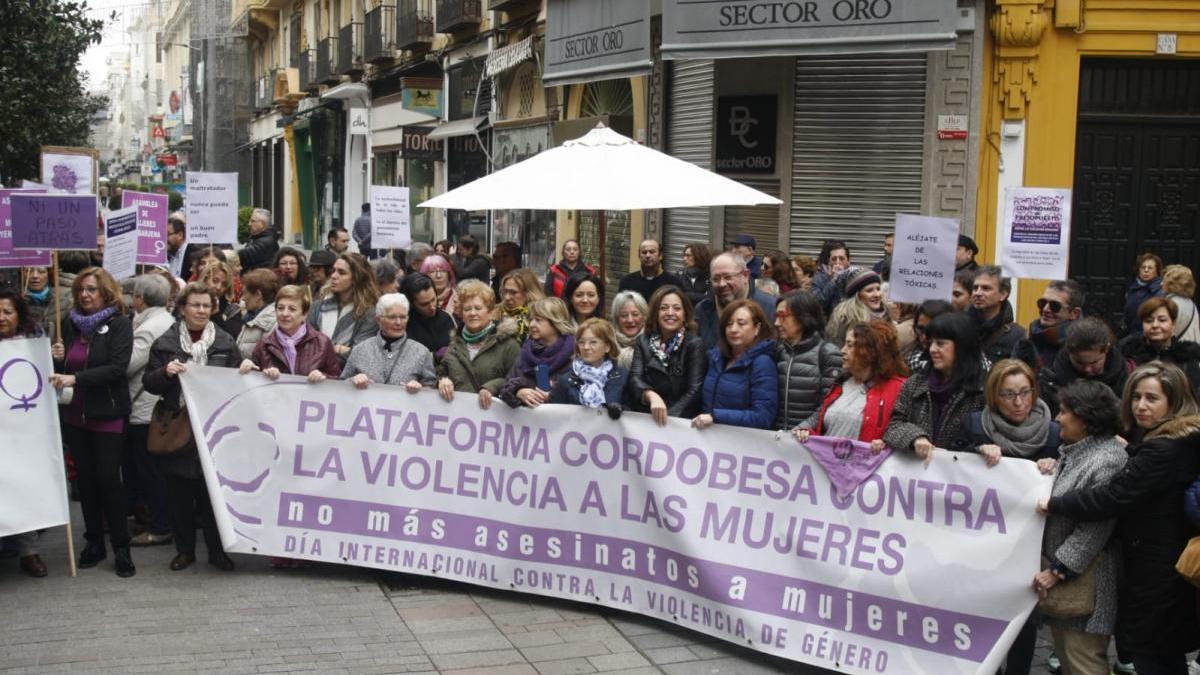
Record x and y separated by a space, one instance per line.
912 416
488 370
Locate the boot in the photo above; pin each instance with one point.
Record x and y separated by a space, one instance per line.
93 553
123 562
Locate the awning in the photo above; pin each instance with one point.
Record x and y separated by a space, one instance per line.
700 29
588 40
395 115
466 127
508 56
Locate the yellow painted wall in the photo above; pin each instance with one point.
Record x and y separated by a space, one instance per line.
1084 28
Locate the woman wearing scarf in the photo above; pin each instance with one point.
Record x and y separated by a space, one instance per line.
518 290
594 379
91 360
293 347
544 357
194 339
482 351
1146 284
629 316
863 303
668 366
39 295
438 268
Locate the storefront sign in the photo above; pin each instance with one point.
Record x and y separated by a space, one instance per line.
596 40
1037 233
704 29
746 128
360 122
509 56
952 127
416 144
422 100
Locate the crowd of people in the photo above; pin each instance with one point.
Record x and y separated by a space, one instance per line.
735 337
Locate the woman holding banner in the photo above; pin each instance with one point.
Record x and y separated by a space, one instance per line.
544 357
391 357
194 339
860 404
808 364
667 371
90 362
1015 421
482 351
259 288
292 347
594 379
742 386
345 313
1156 610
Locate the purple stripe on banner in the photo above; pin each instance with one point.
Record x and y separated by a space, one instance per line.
916 626
251 485
219 434
253 520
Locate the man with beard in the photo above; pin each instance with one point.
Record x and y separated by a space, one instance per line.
992 313
730 281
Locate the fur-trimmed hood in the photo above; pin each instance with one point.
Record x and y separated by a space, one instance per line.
1180 427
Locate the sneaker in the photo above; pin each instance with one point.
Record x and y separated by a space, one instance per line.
1123 669
1053 664
151 539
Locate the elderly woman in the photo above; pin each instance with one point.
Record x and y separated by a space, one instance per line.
860 404
344 313
482 351
291 346
864 302
1091 455
594 379
258 302
935 400
629 316
570 264
742 385
669 363
1146 284
1156 609
438 268
1015 421
584 295
1157 341
544 357
91 360
390 357
518 290
808 364
290 267
151 296
1180 287
194 339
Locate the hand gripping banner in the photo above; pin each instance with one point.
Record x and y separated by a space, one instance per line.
732 532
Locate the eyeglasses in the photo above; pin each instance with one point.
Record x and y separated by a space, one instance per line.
1012 396
395 317
1055 305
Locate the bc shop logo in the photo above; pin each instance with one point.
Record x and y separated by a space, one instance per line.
21 381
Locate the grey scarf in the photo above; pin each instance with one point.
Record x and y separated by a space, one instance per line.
1024 440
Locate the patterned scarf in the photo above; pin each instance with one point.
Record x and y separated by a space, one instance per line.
289 342
198 349
661 351
591 394
88 323
521 316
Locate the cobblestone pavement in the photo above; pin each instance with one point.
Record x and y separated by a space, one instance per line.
327 619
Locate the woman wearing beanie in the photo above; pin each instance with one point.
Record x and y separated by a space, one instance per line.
863 303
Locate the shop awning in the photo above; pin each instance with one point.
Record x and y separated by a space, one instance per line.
701 29
456 128
588 40
395 115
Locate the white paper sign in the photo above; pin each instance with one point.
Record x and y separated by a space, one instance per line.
390 227
33 491
212 203
1037 233
923 258
68 173
121 242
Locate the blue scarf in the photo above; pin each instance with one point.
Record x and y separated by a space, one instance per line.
591 394
39 297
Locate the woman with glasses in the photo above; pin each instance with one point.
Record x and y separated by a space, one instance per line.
518 290
438 268
391 357
1015 421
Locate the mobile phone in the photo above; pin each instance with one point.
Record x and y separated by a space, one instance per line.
542 372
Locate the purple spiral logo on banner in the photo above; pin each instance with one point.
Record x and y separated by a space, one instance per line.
17 387
842 449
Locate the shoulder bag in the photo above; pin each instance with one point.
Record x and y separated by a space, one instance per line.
170 431
1073 598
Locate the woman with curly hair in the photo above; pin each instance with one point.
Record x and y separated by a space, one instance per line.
346 312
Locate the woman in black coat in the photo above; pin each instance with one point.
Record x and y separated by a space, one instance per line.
1157 341
193 339
91 361
1156 611
669 362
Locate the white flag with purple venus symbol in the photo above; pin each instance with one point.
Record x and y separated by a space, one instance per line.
33 486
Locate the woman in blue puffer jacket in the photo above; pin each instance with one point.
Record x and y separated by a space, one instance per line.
742 386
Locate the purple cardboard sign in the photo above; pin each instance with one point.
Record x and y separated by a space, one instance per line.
152 225
24 258
54 221
6 245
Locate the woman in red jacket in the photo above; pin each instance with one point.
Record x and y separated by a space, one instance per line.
570 263
860 404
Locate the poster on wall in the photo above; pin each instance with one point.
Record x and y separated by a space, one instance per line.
390 224
1037 233
212 203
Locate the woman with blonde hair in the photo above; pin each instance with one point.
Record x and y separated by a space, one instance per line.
594 379
482 351
863 303
518 290
219 276
1180 287
544 357
346 312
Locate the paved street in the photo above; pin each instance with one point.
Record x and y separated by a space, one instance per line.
325 619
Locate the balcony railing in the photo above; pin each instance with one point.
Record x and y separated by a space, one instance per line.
414 24
349 49
308 70
380 34
326 52
455 15
264 93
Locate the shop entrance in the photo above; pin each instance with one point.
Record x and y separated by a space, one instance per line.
1137 174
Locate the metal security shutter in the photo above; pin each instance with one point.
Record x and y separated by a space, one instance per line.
760 222
858 132
689 137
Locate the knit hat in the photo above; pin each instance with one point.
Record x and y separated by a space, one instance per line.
854 279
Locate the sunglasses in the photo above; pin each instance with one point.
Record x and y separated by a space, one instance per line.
1055 305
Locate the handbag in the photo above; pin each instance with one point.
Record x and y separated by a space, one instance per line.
1188 564
170 431
1073 598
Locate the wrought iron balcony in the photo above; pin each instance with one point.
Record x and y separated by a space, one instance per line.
349 49
456 15
326 53
414 24
308 70
380 34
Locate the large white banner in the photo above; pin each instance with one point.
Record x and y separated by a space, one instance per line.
212 204
33 485
733 532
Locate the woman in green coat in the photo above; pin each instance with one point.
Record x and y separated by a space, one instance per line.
482 350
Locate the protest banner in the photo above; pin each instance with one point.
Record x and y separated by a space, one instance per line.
390 225
121 242
152 225
923 258
732 532
56 222
1037 233
6 245
33 487
212 203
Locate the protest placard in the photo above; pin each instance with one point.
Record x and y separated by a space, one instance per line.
54 221
69 170
33 490
390 225
737 533
1037 233
121 242
212 203
6 245
923 258
152 225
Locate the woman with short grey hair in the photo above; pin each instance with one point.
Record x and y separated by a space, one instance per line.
390 357
628 315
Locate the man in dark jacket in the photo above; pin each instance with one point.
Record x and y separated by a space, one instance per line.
260 251
730 281
992 313
834 257
468 262
427 323
964 255
652 275
1060 305
1090 353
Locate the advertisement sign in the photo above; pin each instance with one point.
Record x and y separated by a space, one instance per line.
596 40
746 127
1037 233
